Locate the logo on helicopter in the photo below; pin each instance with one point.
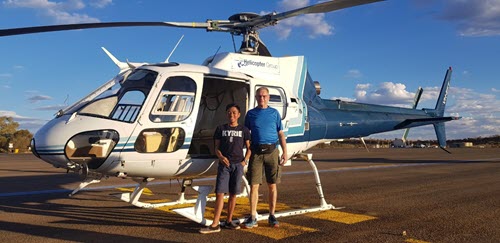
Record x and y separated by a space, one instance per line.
268 66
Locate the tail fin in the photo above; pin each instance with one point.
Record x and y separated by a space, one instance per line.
437 118
440 105
441 135
441 102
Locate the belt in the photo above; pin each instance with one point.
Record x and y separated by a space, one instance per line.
263 148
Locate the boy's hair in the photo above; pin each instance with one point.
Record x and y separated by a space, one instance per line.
233 105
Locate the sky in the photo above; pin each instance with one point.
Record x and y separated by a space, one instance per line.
378 53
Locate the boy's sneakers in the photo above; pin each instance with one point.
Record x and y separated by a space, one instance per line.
250 223
231 225
210 229
273 222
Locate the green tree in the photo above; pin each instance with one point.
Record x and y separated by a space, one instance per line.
21 140
7 129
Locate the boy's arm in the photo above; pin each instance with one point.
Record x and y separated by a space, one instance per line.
248 153
221 157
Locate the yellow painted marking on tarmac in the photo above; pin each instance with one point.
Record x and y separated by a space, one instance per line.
241 209
284 231
169 209
341 217
146 191
410 240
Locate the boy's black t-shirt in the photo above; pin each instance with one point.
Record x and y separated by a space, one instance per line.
232 141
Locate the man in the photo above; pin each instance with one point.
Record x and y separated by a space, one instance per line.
266 129
230 139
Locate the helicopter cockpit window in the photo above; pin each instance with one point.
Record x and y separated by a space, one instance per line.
110 88
129 106
176 100
121 99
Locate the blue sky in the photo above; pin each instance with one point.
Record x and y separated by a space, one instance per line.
378 53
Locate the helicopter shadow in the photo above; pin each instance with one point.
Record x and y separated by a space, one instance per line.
39 206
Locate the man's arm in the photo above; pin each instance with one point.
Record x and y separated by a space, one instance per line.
282 138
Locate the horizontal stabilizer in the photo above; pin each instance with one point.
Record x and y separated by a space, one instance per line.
423 121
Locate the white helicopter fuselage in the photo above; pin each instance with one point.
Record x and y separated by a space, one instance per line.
158 120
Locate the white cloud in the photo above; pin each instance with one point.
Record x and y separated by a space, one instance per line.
343 99
62 17
480 111
385 93
476 105
16 117
37 98
59 12
51 107
353 73
474 18
495 90
314 24
100 3
28 123
5 75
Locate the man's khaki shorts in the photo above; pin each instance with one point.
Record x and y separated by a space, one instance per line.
269 162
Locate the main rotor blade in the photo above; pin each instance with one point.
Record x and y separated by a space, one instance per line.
50 28
265 20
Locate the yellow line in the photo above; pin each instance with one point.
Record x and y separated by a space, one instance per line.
416 241
146 191
284 231
341 217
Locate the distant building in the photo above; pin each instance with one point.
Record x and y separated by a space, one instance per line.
462 145
398 143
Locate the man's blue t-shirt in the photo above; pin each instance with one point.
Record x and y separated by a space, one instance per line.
264 125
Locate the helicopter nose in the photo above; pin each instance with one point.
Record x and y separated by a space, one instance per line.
91 147
33 148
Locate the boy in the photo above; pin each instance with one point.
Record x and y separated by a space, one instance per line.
230 139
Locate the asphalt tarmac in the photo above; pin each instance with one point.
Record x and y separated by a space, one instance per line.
386 195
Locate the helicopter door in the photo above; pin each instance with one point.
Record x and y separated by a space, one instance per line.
167 129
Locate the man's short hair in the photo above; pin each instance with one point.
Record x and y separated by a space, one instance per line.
262 88
233 105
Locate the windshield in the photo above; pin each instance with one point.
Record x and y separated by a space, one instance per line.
109 88
121 98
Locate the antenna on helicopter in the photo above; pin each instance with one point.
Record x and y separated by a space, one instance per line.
120 65
175 47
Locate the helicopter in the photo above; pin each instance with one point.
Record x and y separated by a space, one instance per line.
157 120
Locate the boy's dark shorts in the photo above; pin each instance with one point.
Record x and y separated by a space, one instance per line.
269 162
229 178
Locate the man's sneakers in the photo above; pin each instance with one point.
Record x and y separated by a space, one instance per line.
273 222
249 223
210 229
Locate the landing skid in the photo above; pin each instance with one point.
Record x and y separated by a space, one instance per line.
133 198
89 178
197 212
83 184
